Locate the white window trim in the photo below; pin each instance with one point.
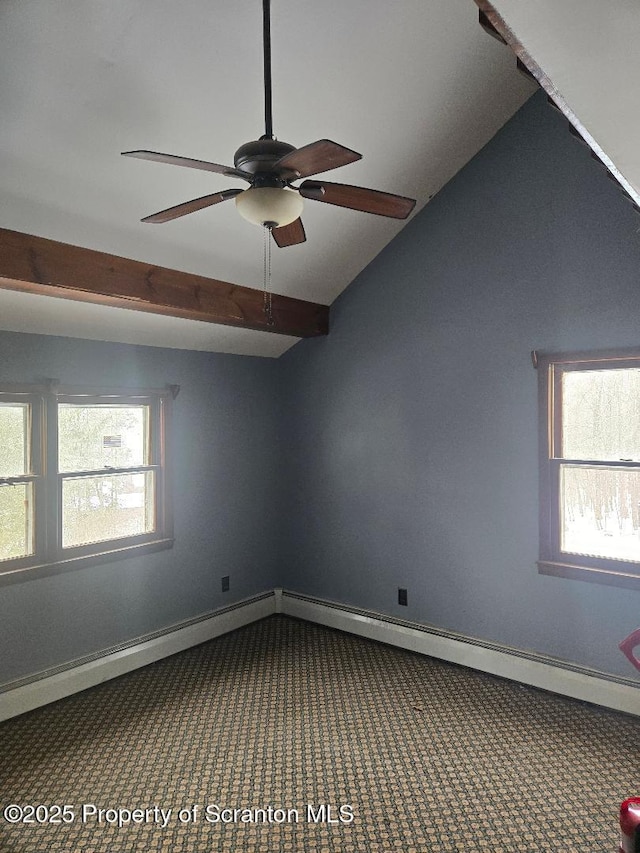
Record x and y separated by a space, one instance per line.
49 557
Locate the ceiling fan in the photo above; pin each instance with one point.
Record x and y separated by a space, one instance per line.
270 167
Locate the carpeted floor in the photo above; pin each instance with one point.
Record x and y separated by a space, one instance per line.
404 753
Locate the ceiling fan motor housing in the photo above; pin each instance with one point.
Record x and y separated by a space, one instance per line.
261 155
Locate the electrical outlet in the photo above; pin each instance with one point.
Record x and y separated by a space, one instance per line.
225 583
402 597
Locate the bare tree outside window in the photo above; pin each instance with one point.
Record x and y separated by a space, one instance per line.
98 507
590 466
601 421
83 476
16 503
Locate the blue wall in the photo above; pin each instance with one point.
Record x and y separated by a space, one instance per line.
399 451
412 428
225 462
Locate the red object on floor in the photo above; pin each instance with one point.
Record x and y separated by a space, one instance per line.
629 644
630 826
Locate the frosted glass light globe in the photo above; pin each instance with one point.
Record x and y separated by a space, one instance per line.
272 206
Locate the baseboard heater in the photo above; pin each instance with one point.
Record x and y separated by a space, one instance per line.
535 670
39 689
572 680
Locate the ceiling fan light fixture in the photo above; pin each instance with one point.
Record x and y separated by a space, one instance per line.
270 206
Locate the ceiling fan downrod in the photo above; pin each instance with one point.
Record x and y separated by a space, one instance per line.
266 40
270 167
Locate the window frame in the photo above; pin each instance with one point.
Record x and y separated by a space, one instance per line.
49 556
552 560
25 395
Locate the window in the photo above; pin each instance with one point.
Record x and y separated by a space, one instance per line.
82 477
20 468
590 467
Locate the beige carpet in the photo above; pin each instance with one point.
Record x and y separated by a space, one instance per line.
324 742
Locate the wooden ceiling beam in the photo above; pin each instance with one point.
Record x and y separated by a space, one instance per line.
37 265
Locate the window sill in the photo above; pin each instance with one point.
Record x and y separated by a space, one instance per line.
43 570
610 577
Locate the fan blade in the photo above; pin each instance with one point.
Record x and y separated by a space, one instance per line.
191 206
289 235
320 156
358 198
187 161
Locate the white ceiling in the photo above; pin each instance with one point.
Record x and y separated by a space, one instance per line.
416 86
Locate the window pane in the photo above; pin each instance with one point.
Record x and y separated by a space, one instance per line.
601 414
14 420
95 509
96 436
16 521
600 512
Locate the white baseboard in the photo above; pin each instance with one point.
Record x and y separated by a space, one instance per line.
577 682
27 694
620 694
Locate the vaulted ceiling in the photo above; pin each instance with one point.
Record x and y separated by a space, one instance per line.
584 54
418 88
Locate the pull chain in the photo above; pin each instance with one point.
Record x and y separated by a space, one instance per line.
268 310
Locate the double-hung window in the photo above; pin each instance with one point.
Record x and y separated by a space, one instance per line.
21 420
590 467
83 476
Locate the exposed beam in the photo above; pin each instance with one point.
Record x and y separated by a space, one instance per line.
488 27
495 24
37 265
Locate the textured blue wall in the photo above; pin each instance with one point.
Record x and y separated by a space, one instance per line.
225 463
412 429
399 451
